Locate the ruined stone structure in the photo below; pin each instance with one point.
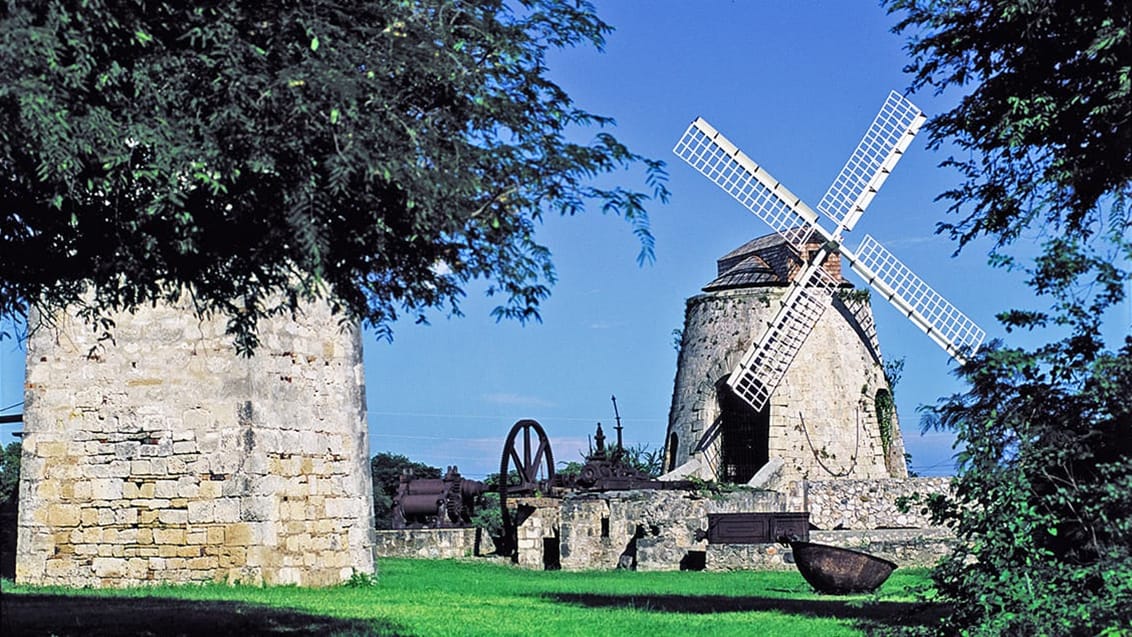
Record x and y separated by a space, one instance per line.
656 530
167 458
645 530
872 504
822 422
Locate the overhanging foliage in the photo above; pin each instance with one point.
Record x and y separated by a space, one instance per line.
384 154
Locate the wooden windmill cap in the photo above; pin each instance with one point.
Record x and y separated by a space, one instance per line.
768 261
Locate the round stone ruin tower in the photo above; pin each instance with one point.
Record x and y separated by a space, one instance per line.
164 456
822 421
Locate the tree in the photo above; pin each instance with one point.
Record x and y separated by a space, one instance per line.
385 470
1043 499
9 507
382 155
641 457
10 475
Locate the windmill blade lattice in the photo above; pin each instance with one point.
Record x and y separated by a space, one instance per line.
927 309
763 366
709 152
872 161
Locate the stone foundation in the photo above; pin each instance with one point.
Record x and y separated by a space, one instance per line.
748 557
656 531
167 458
906 547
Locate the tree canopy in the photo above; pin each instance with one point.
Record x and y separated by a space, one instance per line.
1045 130
1043 500
379 154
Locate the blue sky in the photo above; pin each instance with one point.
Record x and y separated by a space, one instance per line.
795 85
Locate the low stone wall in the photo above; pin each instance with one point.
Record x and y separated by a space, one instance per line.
653 531
906 547
748 557
869 504
433 543
646 530
537 533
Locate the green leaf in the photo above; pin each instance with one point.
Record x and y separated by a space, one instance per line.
314 43
334 113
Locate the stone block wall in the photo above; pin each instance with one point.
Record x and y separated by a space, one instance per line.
869 504
165 457
905 547
748 557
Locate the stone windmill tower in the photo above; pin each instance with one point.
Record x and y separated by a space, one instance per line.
828 417
779 367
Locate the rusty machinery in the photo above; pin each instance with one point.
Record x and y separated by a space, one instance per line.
527 469
610 470
435 502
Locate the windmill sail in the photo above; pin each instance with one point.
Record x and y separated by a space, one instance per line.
950 328
752 186
872 161
763 366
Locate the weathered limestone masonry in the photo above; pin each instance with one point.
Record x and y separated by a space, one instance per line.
906 547
870 504
822 418
168 458
656 530
537 534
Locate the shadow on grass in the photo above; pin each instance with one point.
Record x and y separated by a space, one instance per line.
66 615
869 613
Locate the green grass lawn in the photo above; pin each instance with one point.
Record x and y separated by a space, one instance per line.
419 597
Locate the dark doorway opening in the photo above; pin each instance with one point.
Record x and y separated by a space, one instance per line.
551 554
694 561
672 442
746 436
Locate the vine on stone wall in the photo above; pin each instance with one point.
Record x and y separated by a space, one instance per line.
886 410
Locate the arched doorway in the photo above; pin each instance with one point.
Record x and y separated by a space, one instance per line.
746 436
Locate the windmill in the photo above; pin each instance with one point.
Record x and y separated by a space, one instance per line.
764 364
